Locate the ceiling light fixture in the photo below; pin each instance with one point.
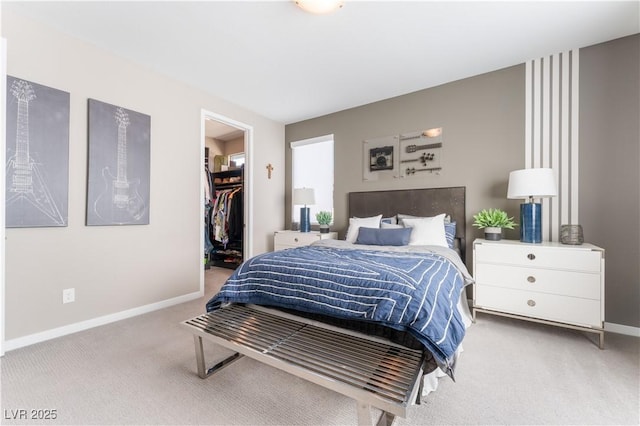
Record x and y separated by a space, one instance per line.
433 133
319 7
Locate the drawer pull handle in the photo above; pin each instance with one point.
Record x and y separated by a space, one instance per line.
531 256
531 279
295 239
531 302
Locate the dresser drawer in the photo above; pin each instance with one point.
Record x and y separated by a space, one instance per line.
295 239
532 256
565 309
288 239
567 283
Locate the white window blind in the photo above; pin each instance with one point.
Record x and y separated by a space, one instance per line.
312 167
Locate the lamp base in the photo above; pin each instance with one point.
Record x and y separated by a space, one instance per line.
531 222
305 222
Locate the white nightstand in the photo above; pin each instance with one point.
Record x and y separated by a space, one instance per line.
550 283
288 239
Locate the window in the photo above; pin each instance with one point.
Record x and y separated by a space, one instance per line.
238 159
312 167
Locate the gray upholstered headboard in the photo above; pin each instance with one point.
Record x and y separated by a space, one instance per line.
417 202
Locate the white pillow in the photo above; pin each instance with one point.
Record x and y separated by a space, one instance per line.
366 222
427 231
401 217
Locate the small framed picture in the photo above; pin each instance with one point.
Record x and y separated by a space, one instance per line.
381 158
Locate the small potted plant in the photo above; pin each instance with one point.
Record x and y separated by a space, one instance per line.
324 219
492 221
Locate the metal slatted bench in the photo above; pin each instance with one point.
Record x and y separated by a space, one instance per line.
371 371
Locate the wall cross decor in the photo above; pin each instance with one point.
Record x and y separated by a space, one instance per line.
269 169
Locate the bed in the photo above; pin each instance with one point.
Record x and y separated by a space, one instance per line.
397 279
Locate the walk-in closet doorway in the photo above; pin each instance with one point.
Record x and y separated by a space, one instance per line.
224 136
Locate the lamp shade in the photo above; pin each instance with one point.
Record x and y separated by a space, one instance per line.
532 183
303 196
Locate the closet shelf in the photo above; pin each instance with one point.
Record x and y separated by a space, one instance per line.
227 185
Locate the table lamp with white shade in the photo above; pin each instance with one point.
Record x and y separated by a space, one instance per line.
530 184
304 197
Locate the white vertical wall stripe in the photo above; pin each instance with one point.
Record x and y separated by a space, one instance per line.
575 115
563 184
528 123
535 136
537 116
551 128
545 142
556 121
546 106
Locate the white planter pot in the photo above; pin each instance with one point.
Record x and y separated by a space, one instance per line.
492 234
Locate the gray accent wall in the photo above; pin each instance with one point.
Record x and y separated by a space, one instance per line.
609 168
483 140
483 121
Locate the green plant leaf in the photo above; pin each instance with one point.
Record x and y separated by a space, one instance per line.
495 218
324 217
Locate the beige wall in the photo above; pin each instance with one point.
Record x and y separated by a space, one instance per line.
118 268
483 122
216 147
234 146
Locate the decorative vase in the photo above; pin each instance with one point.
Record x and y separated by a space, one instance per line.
571 234
324 229
492 233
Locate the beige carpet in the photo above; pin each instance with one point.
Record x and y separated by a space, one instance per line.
142 371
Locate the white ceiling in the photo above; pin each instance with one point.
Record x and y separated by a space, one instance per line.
285 64
221 131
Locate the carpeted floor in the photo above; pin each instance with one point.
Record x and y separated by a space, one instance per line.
142 371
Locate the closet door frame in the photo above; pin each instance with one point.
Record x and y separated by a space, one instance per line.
247 250
3 116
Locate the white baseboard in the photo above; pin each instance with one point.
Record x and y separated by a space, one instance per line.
31 339
622 329
609 327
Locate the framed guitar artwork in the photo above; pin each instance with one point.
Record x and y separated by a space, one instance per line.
37 153
118 183
421 153
406 155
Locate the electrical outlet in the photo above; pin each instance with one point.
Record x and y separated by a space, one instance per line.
68 295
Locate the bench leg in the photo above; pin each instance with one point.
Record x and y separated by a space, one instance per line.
364 416
203 372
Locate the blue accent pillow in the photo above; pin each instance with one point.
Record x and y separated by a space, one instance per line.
450 233
384 237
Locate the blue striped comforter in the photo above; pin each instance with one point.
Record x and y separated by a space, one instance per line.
415 291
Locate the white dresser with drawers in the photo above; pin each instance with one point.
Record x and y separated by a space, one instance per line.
288 239
549 282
